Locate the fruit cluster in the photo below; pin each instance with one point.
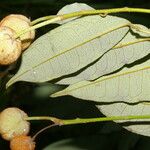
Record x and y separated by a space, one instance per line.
10 46
15 128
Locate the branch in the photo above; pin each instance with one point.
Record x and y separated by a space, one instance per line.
87 120
61 122
56 18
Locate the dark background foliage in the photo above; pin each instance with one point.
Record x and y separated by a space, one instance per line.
35 100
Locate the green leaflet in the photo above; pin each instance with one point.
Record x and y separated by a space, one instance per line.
127 51
69 48
129 85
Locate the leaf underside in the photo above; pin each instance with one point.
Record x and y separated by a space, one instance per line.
69 48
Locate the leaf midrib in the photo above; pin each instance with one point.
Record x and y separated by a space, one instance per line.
99 81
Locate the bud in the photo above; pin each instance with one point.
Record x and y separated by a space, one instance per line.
19 23
22 142
13 123
10 48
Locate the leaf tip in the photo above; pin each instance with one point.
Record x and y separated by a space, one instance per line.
58 94
9 83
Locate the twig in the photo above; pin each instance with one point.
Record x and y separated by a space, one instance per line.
56 18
